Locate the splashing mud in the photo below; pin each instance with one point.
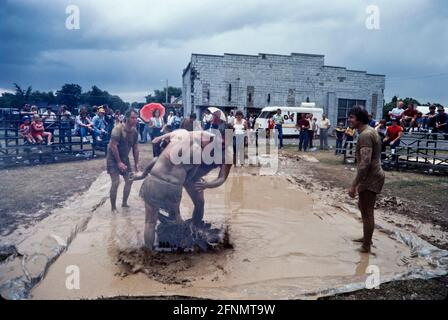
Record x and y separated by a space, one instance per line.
287 244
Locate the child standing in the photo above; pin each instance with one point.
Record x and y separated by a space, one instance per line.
340 133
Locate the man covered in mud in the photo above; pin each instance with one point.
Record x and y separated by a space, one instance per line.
124 137
370 177
195 184
176 167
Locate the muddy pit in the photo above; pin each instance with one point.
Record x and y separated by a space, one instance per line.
287 244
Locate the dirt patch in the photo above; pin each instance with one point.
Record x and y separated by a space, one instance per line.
435 289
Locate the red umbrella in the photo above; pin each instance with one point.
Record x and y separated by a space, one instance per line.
146 113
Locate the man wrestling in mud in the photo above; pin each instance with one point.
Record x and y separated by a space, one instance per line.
370 177
124 137
170 173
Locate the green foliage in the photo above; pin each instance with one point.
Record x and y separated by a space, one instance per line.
160 95
70 95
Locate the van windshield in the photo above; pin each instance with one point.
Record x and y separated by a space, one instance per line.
266 114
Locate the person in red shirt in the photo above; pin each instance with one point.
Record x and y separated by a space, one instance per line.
25 130
38 131
409 117
393 136
303 125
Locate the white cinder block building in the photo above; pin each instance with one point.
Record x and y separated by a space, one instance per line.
250 83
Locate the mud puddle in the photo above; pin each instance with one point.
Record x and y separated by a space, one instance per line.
286 244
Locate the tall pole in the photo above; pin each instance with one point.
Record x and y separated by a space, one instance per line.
166 98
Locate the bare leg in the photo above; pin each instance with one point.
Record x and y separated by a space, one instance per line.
198 202
126 192
366 205
113 190
150 226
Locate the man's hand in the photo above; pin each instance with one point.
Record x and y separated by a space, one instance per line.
352 192
200 186
156 140
122 167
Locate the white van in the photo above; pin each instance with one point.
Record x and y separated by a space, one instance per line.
291 116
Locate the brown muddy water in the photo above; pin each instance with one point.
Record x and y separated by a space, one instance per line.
287 244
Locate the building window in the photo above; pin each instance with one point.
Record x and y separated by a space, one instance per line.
344 107
230 92
269 98
250 96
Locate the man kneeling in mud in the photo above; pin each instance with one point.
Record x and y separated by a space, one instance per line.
169 172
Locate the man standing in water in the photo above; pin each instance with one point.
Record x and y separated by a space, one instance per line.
124 137
370 177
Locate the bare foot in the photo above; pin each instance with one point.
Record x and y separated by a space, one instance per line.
114 210
361 240
364 249
125 205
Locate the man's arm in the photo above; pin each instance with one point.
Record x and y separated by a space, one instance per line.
136 154
219 181
363 166
114 148
147 170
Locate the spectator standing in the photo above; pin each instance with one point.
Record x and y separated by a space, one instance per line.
157 125
231 118
49 118
324 126
65 118
207 119
303 126
340 133
240 129
350 134
278 126
311 130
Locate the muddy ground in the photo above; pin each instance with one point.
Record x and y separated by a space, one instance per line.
29 194
420 197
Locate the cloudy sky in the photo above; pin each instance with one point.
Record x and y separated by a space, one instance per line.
128 47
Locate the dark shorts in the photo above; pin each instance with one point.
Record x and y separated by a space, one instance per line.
160 193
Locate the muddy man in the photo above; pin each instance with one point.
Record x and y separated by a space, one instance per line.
163 188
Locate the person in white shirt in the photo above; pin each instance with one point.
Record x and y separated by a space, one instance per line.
240 129
324 127
230 118
397 112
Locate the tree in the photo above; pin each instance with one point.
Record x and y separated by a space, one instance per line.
160 95
70 95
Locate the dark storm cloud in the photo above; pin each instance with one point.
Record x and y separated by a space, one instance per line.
128 47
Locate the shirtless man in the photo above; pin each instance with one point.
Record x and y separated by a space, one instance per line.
163 188
370 177
195 184
124 137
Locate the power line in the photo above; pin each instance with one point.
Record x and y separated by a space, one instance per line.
417 77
